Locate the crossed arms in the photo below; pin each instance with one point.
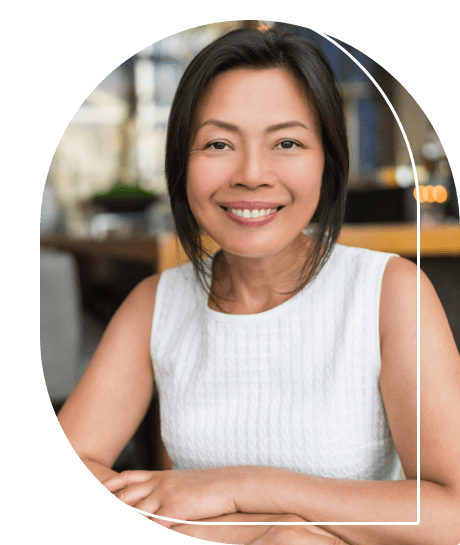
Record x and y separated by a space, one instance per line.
115 391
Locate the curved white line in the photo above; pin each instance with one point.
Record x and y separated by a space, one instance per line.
5 170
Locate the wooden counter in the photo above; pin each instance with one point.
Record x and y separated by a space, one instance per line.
443 240
399 239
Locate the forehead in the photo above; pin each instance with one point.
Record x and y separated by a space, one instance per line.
249 94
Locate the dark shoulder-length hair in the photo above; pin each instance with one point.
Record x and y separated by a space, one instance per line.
249 48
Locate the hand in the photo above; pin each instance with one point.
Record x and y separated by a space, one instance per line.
183 495
297 535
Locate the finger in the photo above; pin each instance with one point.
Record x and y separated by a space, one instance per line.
126 478
169 514
148 504
135 493
319 530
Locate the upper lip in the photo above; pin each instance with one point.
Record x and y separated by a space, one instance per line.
251 205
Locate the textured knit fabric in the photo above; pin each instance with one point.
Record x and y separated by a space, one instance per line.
295 387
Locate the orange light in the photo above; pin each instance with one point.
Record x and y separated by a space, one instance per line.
423 193
440 193
431 194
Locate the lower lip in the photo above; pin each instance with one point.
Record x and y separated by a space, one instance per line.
252 222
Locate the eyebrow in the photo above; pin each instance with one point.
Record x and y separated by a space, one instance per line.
234 128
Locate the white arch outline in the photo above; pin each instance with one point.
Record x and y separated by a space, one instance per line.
4 175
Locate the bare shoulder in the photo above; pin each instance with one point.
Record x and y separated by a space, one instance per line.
149 285
134 317
137 309
145 291
398 303
399 278
398 317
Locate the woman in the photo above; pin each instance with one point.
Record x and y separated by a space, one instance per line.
286 364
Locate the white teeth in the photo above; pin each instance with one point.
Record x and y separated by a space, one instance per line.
246 213
237 212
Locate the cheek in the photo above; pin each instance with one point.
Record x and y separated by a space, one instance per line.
200 188
204 180
305 182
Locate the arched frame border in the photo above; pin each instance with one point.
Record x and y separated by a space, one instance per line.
39 156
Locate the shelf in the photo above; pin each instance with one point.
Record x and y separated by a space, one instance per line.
138 250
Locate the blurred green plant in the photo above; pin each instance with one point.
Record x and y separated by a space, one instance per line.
123 197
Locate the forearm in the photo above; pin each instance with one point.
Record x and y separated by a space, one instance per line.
240 534
396 502
229 533
331 500
100 471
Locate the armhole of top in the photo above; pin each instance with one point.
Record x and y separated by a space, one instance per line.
375 304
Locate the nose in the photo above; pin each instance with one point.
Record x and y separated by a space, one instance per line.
253 170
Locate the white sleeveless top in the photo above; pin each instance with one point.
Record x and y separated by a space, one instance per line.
295 387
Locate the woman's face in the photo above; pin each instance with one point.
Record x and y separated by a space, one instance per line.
256 163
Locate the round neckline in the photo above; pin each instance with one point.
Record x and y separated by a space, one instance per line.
266 314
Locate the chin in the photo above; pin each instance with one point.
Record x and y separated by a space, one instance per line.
268 246
248 252
253 255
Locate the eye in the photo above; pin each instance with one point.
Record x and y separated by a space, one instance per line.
217 145
288 144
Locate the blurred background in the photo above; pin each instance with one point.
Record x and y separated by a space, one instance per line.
106 222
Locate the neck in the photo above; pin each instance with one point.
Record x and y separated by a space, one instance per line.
249 285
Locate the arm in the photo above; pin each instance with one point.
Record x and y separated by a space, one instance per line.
110 400
100 471
233 534
306 535
323 500
270 490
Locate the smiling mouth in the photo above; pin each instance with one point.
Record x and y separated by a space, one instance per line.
252 214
